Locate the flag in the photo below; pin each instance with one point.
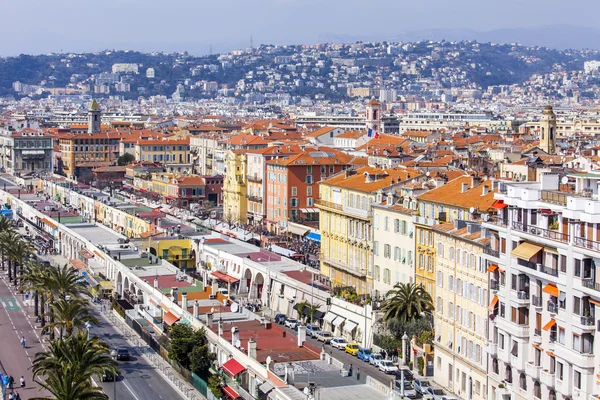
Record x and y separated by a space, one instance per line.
370 132
376 135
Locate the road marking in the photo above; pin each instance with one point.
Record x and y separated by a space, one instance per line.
10 303
130 391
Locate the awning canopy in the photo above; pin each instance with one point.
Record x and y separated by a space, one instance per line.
551 289
233 367
170 318
232 394
492 267
493 303
318 314
96 252
499 205
266 387
526 250
329 317
314 236
77 264
224 277
536 346
298 230
549 325
349 326
85 253
107 285
48 222
338 321
546 211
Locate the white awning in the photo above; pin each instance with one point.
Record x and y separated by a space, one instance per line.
266 387
298 230
304 210
336 322
329 317
32 152
349 326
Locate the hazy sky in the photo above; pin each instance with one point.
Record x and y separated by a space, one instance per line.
41 26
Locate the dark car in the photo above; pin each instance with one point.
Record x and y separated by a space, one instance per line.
408 376
123 354
280 318
108 376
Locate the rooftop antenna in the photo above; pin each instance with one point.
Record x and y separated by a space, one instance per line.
251 43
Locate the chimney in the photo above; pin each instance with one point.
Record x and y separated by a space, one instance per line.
220 328
155 283
209 319
195 311
252 348
301 335
475 181
184 301
235 336
465 187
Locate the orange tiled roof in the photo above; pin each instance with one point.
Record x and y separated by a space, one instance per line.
356 180
451 194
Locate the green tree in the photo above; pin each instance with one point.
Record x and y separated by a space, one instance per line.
201 360
406 302
71 314
184 339
33 279
215 384
125 159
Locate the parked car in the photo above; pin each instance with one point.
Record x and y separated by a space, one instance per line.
364 354
437 394
123 354
409 390
408 376
291 323
352 349
324 337
312 330
108 376
280 318
375 359
449 398
338 343
421 385
387 366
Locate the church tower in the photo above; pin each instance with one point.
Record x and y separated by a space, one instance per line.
548 131
94 118
373 118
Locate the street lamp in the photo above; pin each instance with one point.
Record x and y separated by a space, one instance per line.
113 354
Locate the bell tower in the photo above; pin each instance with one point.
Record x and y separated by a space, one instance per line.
373 117
94 118
548 131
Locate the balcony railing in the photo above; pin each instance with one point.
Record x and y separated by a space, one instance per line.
553 308
536 301
587 244
541 232
522 295
209 156
491 252
255 198
344 266
329 204
256 179
587 321
537 332
549 270
591 283
494 285
554 197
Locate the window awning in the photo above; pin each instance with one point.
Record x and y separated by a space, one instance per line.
314 236
224 277
48 222
298 230
170 318
551 354
492 267
77 264
595 302
233 367
499 205
549 325
535 346
493 303
546 211
338 321
232 394
526 250
266 387
349 326
318 314
551 289
329 317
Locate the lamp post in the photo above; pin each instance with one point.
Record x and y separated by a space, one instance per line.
113 354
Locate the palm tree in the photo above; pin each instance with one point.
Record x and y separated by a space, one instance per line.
19 251
67 367
7 239
406 302
33 280
70 314
64 282
5 227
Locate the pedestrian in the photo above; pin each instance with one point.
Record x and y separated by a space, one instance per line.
11 381
11 397
22 381
17 396
23 341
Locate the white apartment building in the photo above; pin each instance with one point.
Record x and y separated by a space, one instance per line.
544 249
393 246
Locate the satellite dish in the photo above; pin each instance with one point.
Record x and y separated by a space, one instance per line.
212 310
472 210
238 343
564 180
234 307
486 217
268 361
427 173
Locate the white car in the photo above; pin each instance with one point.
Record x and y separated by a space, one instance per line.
387 366
437 394
421 385
375 359
338 343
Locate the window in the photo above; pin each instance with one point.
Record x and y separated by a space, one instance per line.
294 191
515 349
523 381
387 251
309 191
577 379
559 370
294 202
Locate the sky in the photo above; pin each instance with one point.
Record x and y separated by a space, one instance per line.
43 26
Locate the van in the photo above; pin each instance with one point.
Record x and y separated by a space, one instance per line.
223 291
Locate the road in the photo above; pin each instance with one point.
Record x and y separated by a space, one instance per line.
15 323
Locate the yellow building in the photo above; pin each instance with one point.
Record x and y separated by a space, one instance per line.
452 201
235 202
170 153
461 309
346 223
177 251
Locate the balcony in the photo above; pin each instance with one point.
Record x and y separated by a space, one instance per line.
491 252
494 220
492 349
494 285
254 178
518 362
536 301
343 266
591 283
359 212
587 244
257 199
549 270
522 297
554 197
328 204
541 232
584 323
533 371
552 308
547 378
424 221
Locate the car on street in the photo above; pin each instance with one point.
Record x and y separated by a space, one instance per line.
364 354
409 390
108 376
421 385
387 366
123 354
437 394
280 318
352 349
408 376
324 336
375 359
291 323
338 343
312 330
449 398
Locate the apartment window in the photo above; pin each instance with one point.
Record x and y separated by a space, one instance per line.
387 250
501 341
294 191
309 191
576 305
450 282
577 379
561 335
309 179
386 223
515 349
294 202
559 370
502 310
523 381
576 342
376 248
563 263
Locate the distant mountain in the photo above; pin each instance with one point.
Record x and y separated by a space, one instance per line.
553 36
